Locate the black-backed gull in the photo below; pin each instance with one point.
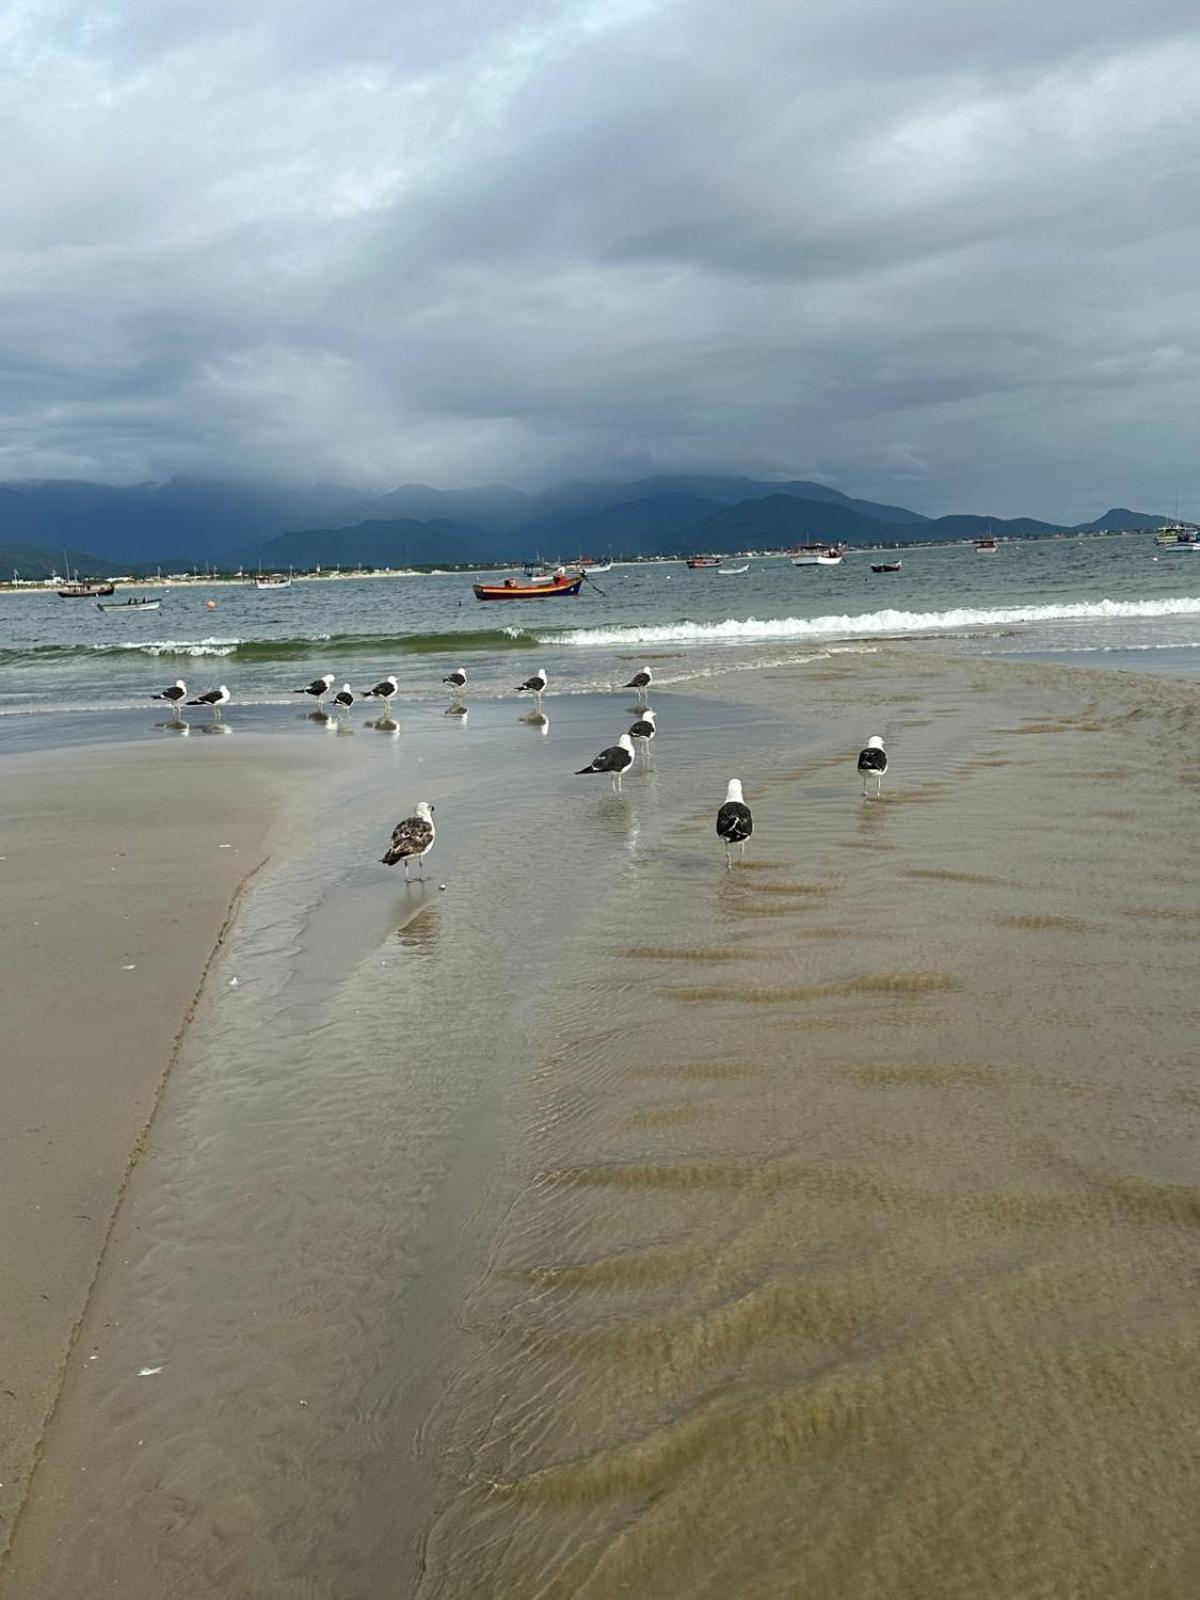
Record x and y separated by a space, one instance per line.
616 759
176 693
534 685
641 681
383 690
643 731
873 763
318 688
344 698
216 698
734 822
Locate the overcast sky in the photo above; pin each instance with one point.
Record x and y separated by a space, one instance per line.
943 252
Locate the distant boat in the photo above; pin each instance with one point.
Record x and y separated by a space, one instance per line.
542 588
818 555
732 572
135 604
885 566
592 566
1177 536
85 591
986 547
703 563
273 580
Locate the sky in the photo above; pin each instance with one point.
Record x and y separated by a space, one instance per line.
939 253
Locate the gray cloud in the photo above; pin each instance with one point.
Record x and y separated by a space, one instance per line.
941 253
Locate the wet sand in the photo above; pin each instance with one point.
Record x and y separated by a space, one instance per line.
120 875
612 1224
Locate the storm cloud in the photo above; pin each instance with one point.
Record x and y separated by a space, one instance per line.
942 253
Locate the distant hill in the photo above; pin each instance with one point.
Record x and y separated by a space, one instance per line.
189 521
184 517
27 561
399 542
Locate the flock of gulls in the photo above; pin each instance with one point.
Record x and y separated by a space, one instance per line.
413 838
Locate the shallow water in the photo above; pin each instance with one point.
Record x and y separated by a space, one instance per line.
613 1224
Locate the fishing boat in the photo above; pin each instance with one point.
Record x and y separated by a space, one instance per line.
818 555
885 566
986 547
273 580
596 566
134 604
1177 536
547 588
732 572
85 591
703 563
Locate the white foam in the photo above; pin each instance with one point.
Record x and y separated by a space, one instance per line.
871 624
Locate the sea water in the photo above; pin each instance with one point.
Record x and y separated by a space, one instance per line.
1119 597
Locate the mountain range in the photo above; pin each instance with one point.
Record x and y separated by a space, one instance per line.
187 522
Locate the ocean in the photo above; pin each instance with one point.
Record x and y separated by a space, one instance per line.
1117 599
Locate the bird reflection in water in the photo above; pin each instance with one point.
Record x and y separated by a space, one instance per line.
420 934
175 725
213 727
323 719
383 725
458 713
538 720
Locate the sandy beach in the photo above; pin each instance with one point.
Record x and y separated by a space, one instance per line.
609 1223
121 873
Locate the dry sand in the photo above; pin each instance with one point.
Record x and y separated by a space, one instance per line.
121 869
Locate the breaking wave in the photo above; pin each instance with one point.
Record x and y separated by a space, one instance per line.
872 624
291 649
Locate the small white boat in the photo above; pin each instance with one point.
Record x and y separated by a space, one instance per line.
273 580
603 566
732 572
128 605
819 555
985 547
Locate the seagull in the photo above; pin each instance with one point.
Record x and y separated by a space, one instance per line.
216 698
734 822
643 730
318 688
383 690
617 759
344 698
535 686
872 763
176 693
412 840
457 681
641 681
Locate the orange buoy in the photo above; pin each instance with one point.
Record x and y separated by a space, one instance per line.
211 604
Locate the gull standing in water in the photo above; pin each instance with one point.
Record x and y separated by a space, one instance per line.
873 763
457 681
641 681
216 698
344 698
174 695
412 840
318 688
383 690
734 822
535 685
643 731
616 759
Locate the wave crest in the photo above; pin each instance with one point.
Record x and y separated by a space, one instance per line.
872 624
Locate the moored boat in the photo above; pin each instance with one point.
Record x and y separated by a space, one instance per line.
703 563
986 547
732 572
85 591
538 589
273 580
885 566
818 555
1177 536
